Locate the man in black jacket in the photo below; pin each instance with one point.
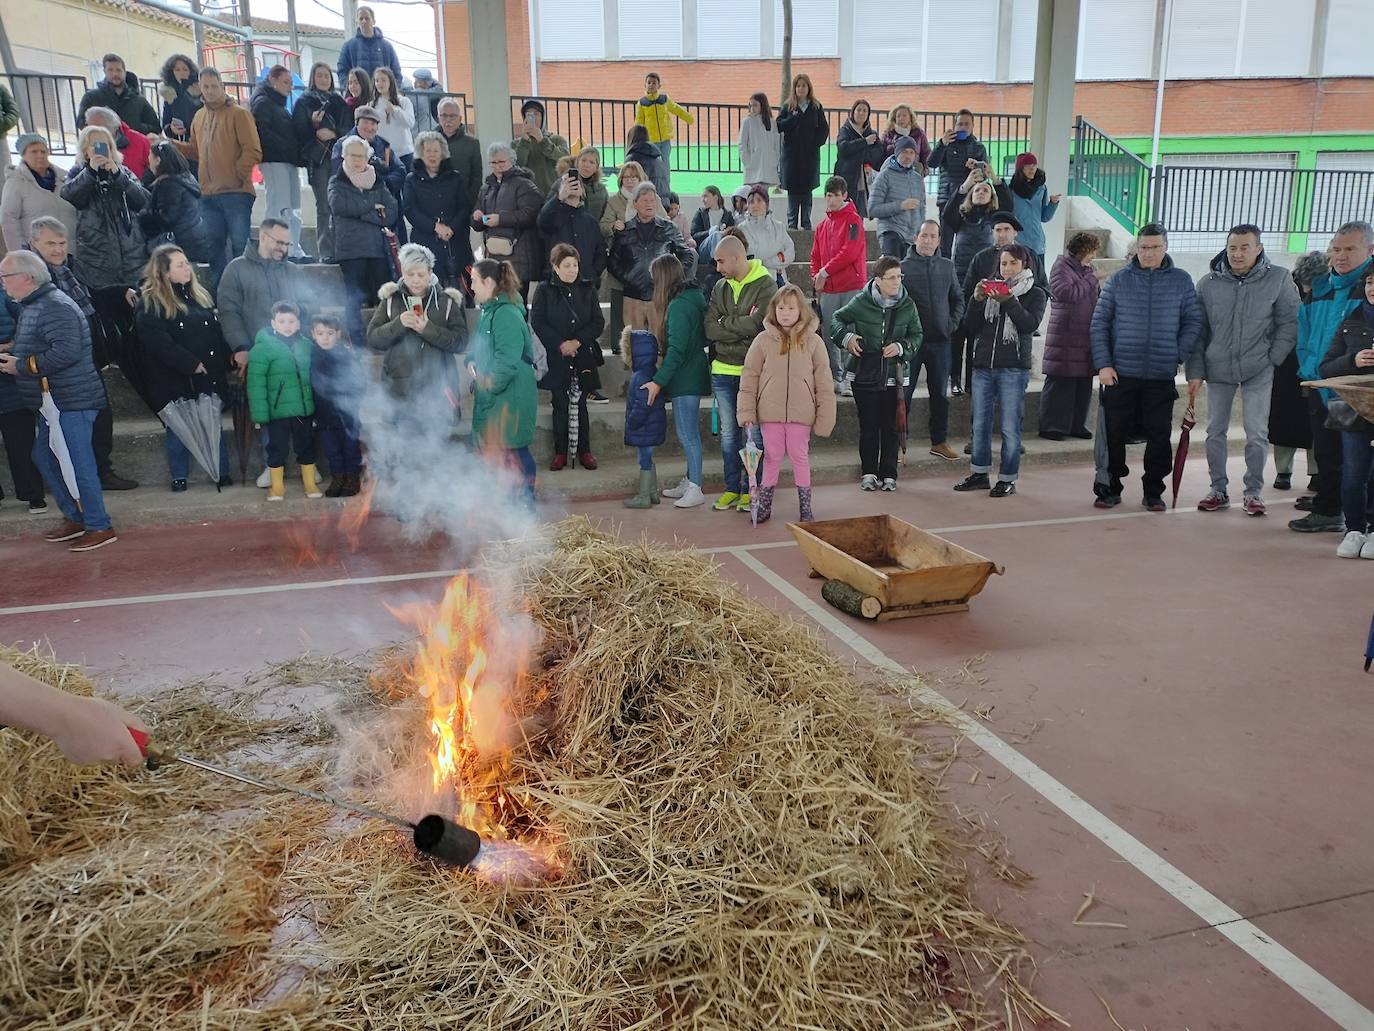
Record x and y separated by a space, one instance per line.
634 249
931 282
119 91
281 152
564 219
954 157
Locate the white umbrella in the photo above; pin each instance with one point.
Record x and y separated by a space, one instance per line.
198 424
57 442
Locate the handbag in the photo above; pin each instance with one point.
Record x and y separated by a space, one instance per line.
499 246
537 357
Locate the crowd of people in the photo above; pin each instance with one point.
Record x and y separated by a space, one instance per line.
101 270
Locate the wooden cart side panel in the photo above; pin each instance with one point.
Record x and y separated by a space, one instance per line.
834 564
864 538
948 583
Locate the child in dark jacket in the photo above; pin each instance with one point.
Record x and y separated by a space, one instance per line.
646 425
338 383
280 398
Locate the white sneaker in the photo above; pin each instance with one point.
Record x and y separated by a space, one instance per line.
1354 545
692 496
678 491
869 482
265 479
846 389
1368 550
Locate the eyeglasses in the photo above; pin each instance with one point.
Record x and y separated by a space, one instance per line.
11 275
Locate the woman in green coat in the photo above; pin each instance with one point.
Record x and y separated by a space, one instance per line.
684 371
280 399
501 360
880 331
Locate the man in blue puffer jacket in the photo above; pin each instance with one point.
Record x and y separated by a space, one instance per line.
52 348
367 50
1144 327
1334 296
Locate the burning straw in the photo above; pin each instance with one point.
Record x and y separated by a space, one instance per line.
744 839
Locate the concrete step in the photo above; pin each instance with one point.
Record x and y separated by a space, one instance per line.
1104 236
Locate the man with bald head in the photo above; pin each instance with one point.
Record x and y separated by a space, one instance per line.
733 318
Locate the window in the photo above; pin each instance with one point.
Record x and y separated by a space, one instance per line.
1349 28
1202 43
571 29
1277 37
650 28
725 30
815 27
1025 15
923 41
1222 38
1116 39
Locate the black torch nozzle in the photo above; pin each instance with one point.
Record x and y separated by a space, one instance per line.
447 841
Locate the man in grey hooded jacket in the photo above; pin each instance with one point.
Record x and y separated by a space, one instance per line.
898 200
1249 326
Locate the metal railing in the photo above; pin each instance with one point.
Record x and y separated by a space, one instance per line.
1210 200
1105 171
48 105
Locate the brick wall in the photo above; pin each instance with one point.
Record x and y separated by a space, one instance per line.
1215 107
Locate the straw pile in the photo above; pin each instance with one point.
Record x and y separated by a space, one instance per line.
748 841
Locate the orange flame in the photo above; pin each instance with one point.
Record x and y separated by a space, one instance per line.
356 512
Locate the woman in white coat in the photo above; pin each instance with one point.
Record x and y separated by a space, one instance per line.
398 116
760 143
769 240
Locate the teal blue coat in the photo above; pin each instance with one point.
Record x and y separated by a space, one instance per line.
507 399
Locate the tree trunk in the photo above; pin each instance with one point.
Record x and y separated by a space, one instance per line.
786 53
850 600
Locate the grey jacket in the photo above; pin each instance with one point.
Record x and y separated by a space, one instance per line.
932 284
109 241
1248 324
53 340
251 284
892 185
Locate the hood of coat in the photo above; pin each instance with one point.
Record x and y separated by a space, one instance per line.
643 150
188 182
264 91
1222 268
169 80
643 347
846 214
892 163
391 289
129 89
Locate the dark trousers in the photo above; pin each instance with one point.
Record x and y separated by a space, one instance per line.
1152 400
1328 450
102 440
282 434
1064 402
114 338
562 408
892 245
960 360
1357 481
799 209
877 431
324 227
342 450
363 277
19 430
946 234
933 357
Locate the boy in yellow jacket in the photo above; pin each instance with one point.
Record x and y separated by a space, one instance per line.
656 113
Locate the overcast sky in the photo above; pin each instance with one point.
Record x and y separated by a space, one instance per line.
409 25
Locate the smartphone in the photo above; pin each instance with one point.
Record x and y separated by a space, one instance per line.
995 288
417 308
529 118
103 149
982 166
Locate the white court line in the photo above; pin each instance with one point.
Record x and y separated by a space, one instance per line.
1288 968
229 592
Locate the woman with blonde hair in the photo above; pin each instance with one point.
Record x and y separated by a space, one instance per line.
588 165
901 121
804 129
786 388
184 353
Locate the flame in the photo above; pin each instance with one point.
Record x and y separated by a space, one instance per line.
470 667
356 512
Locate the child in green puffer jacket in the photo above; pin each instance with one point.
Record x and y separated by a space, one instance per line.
280 399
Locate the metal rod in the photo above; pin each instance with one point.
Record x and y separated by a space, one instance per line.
242 31
264 782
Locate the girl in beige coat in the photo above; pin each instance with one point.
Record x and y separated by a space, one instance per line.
787 390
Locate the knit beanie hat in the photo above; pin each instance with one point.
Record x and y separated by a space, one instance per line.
905 143
1022 160
27 140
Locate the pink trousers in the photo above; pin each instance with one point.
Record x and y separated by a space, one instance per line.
792 439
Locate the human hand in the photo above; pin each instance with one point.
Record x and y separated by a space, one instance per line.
618 226
534 133
854 345
380 209
819 279
199 370
1055 198
442 231
971 163
478 216
652 389
318 116
92 730
9 364
979 293
177 125
568 348
131 296
1194 385
1364 359
872 137
1107 376
241 359
892 350
492 220
910 204
948 136
325 135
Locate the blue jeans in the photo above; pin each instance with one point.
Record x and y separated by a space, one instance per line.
524 461
1005 388
179 459
1357 481
646 459
933 357
687 424
726 392
76 429
227 218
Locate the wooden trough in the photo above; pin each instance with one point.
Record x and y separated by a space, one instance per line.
880 567
1356 391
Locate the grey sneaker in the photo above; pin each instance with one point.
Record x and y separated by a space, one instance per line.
869 482
889 483
1315 523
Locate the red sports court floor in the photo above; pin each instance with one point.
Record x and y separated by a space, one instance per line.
1172 713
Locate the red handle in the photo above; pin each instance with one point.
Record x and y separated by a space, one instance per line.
140 739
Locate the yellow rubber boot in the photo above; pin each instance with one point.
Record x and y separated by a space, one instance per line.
312 487
278 489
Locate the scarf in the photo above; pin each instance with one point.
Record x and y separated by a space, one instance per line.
1019 284
626 194
881 300
1025 188
364 180
48 180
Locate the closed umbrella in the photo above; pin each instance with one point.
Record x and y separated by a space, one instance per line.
750 455
57 442
197 423
1181 452
243 424
1369 648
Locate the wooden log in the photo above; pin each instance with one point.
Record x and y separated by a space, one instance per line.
848 599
